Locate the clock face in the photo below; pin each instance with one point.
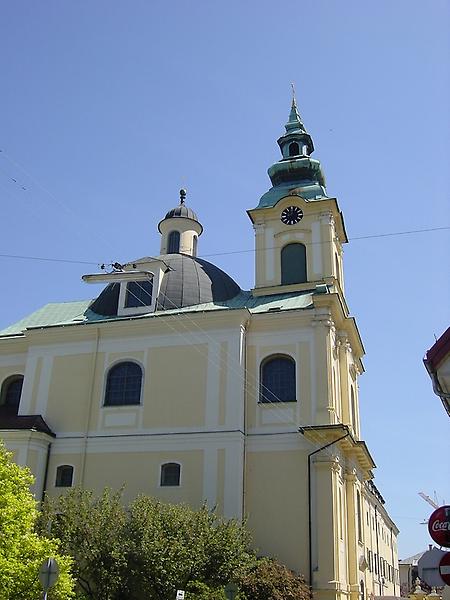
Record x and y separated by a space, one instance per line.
291 215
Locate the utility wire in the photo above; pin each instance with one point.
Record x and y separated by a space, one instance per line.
241 370
230 252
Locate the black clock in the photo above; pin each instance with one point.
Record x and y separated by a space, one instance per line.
291 215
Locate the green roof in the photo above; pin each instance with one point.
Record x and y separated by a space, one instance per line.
78 313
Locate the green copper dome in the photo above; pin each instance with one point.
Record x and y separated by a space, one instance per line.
296 173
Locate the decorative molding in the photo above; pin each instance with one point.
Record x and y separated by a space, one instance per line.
324 321
259 227
326 218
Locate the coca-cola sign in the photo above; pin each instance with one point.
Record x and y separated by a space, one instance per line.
439 526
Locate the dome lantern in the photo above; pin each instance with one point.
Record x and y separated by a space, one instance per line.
180 229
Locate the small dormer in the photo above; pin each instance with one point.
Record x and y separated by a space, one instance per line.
180 229
138 288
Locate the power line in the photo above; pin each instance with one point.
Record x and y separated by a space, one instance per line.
46 259
231 252
361 237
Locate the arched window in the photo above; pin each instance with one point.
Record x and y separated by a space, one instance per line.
64 476
277 380
173 245
170 475
293 264
294 150
123 385
10 395
194 246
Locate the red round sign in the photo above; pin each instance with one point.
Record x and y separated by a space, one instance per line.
439 526
444 568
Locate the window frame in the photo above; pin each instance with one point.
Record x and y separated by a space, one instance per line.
161 468
56 476
170 235
128 292
359 518
6 383
105 383
263 362
283 274
123 310
293 143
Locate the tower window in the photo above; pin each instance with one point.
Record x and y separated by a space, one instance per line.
10 395
64 476
353 408
170 475
358 515
194 245
139 293
294 150
173 246
277 380
337 269
123 385
293 264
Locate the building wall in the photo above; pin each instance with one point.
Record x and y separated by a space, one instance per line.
200 408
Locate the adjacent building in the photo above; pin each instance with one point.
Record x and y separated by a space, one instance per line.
437 363
180 384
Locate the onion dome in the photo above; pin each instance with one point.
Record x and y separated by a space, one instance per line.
296 173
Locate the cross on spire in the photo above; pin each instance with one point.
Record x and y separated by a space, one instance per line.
295 121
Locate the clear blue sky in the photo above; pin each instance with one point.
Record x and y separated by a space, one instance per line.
108 108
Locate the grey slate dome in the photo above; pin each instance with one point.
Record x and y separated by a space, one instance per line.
181 211
188 281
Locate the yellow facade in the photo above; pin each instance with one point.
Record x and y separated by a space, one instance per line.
202 407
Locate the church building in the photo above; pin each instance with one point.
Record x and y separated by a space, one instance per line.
179 384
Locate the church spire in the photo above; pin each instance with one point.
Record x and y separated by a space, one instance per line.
295 121
296 170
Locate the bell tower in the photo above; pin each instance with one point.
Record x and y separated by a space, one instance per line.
299 229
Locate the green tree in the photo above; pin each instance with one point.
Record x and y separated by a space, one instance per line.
92 531
270 580
22 550
172 545
146 551
150 549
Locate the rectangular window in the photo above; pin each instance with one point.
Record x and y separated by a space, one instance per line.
170 475
139 293
64 476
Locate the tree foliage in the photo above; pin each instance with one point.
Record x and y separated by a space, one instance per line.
146 551
92 530
22 550
269 580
